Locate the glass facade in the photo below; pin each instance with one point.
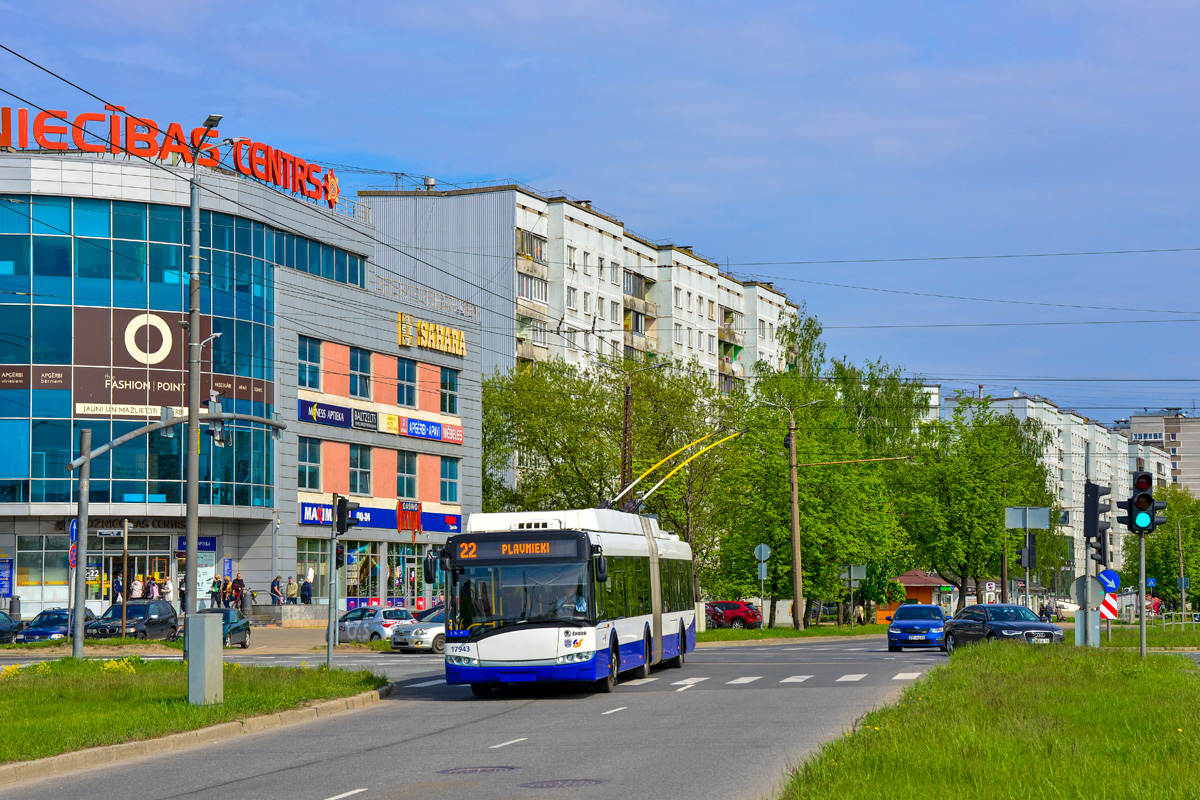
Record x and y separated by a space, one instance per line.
63 260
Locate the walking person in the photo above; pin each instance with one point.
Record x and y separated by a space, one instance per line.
858 614
168 592
292 590
306 592
135 589
226 593
277 591
117 596
182 594
214 593
239 589
152 588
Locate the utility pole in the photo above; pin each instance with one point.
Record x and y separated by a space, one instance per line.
627 424
125 572
797 571
1182 586
192 525
85 474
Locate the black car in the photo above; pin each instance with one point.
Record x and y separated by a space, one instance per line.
144 619
9 628
1001 622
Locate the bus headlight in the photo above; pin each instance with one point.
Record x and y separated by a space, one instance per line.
464 661
570 658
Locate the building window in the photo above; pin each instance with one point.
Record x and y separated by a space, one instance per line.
614 311
571 297
537 332
615 349
309 461
570 258
689 302
635 285
614 272
712 310
406 475
572 343
678 298
1174 437
689 337
531 288
587 303
771 332
312 554
310 363
360 469
531 245
762 329
584 262
712 343
449 492
449 391
635 321
678 333
360 373
406 382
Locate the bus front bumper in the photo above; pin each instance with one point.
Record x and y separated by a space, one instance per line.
515 672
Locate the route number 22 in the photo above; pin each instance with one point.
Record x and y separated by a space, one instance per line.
466 550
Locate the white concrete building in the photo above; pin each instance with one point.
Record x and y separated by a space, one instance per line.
558 277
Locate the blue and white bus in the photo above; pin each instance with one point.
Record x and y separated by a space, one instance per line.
575 596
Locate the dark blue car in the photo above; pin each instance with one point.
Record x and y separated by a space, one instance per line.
52 624
915 626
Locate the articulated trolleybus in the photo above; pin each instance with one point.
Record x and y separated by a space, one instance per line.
577 596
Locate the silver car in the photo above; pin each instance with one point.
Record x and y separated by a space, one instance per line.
379 623
428 635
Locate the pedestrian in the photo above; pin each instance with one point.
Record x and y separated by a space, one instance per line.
152 588
1052 609
277 591
168 592
1042 613
293 589
183 594
135 589
239 588
214 593
116 590
858 614
226 593
306 592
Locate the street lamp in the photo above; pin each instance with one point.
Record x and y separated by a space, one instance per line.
193 426
627 426
797 579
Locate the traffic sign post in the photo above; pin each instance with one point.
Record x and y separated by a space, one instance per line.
1024 518
762 552
853 575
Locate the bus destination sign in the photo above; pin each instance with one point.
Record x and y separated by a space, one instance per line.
496 549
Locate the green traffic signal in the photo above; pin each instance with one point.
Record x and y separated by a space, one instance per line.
1142 520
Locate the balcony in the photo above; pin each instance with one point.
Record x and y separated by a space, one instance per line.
638 341
641 306
532 352
726 333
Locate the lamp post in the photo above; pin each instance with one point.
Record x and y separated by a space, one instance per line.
627 425
1182 589
797 577
193 426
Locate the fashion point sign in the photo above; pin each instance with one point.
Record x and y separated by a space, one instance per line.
118 132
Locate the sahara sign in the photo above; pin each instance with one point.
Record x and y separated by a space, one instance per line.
119 132
430 336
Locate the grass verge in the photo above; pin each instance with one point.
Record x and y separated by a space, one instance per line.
1128 636
94 645
748 634
1003 721
59 706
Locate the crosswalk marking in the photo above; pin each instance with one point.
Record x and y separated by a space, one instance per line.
906 676
639 681
796 679
852 677
688 681
746 679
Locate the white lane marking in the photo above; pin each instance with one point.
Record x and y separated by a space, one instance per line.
613 711
796 679
685 688
906 676
345 794
857 677
639 682
426 683
747 679
510 741
688 681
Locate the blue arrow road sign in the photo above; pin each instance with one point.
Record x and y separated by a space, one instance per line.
1151 582
1110 579
74 531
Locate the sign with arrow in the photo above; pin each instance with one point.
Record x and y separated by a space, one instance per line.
1110 579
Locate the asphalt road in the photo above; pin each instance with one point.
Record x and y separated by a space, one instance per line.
727 725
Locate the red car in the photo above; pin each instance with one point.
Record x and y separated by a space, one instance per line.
733 614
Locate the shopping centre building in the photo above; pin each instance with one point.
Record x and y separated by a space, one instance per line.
376 377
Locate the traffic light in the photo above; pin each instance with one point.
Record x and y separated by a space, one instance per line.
1141 508
216 427
343 515
341 557
1029 552
1095 530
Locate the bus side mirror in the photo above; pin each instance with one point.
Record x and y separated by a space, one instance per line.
601 568
430 567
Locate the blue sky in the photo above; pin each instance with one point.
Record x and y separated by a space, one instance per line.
755 133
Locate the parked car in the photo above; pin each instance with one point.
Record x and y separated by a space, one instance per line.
714 615
738 614
429 612
915 626
1003 622
428 634
378 624
235 628
9 628
55 623
144 619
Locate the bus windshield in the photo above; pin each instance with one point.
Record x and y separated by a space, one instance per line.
489 597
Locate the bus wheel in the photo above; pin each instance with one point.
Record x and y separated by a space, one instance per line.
678 660
607 684
481 689
643 670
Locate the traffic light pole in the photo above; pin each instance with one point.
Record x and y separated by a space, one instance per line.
1142 594
1027 603
332 630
